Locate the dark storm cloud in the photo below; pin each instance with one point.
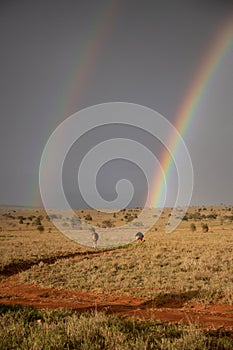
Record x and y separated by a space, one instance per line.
150 57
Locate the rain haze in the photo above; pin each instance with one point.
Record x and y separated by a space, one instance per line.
58 57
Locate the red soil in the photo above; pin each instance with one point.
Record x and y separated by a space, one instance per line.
12 292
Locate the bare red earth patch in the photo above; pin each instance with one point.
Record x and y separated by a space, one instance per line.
13 292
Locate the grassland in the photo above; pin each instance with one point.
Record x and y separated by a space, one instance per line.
28 328
22 243
188 266
195 263
181 262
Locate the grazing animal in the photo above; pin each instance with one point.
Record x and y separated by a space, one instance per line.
139 237
95 238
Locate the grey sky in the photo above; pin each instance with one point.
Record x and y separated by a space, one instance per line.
148 56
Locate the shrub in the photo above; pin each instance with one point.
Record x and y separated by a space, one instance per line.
212 216
195 216
20 217
37 221
205 227
107 223
193 227
40 228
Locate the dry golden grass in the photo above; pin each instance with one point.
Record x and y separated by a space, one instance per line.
184 266
193 263
28 328
32 246
24 243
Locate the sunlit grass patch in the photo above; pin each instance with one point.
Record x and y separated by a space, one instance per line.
179 262
29 328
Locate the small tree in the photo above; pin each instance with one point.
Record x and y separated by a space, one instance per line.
37 221
193 227
88 217
40 228
205 227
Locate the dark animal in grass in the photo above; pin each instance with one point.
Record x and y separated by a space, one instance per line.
95 238
139 237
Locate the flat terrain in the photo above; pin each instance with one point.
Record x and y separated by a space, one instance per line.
184 277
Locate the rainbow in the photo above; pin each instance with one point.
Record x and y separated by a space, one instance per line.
86 60
183 118
84 65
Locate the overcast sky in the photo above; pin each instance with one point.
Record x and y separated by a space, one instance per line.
58 57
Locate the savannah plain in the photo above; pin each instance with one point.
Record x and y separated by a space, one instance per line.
173 291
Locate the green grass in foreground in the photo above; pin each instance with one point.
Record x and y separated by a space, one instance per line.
29 328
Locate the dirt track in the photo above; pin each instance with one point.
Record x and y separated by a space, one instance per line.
13 292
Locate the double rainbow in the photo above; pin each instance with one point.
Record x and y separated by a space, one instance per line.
208 67
212 59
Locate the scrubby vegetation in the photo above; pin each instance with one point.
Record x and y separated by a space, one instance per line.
193 265
186 262
24 328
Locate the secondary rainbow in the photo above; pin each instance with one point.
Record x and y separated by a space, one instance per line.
84 65
209 65
87 59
